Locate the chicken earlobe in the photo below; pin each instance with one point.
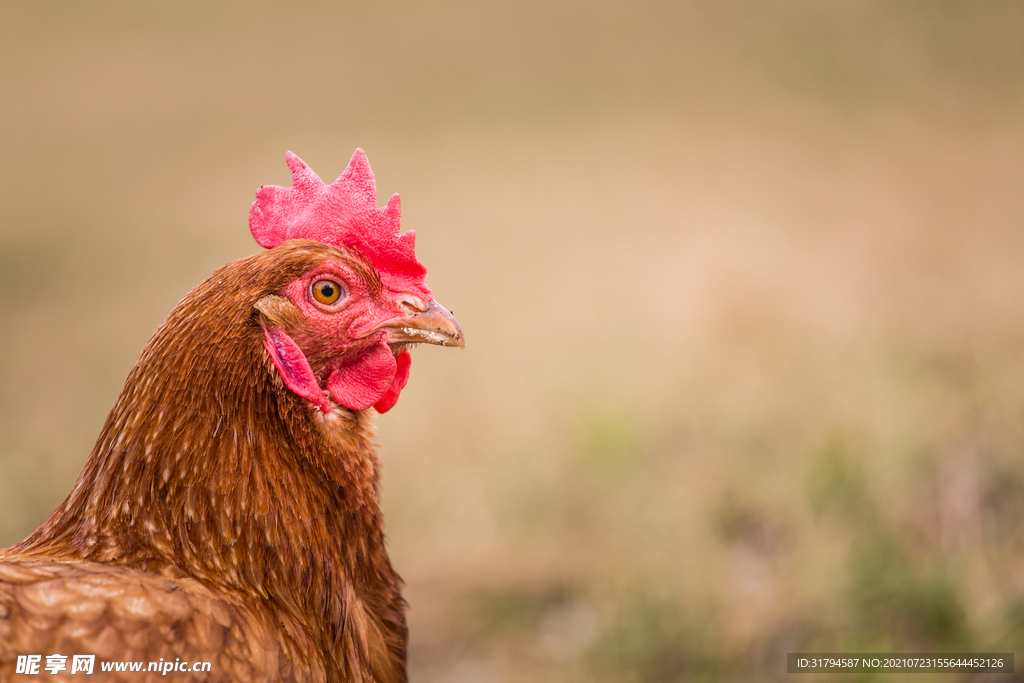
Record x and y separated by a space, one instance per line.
293 368
277 314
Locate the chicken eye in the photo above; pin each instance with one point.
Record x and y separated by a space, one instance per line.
327 291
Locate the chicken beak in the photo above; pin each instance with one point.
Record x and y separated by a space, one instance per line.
435 325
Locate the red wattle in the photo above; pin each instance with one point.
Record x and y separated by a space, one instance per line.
390 397
363 382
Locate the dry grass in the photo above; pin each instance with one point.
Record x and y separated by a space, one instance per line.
741 283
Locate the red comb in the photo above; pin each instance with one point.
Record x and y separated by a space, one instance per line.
344 214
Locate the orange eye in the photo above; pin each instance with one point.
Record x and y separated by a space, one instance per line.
327 291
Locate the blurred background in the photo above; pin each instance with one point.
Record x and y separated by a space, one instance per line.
741 282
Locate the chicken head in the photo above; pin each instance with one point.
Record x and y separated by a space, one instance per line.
339 333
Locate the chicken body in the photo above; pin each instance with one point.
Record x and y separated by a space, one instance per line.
223 516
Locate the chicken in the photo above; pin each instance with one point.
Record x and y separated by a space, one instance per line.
226 526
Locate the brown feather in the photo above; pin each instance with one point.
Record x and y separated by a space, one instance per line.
219 516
